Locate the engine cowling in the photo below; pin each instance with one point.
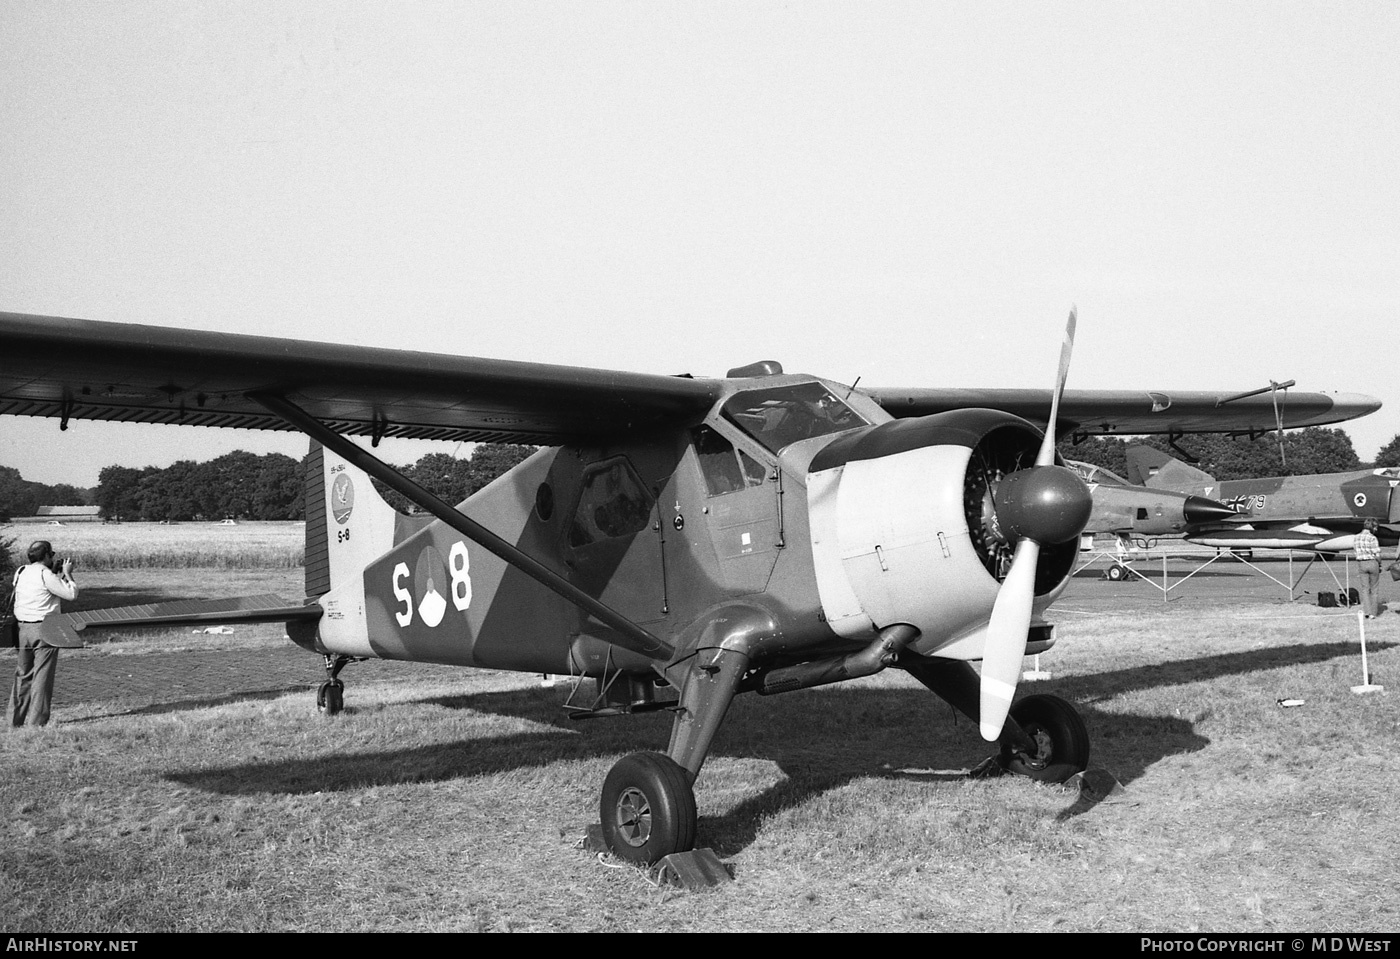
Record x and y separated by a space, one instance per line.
916 521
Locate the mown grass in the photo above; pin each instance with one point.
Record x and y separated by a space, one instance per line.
118 546
455 801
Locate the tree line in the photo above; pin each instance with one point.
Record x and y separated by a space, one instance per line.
22 497
1303 452
451 479
237 485
240 485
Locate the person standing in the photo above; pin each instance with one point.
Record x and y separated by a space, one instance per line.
1368 557
39 588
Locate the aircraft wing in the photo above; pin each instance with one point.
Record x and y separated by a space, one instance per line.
1134 412
53 366
81 369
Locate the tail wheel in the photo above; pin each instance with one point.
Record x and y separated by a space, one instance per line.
330 698
1062 742
647 808
1117 572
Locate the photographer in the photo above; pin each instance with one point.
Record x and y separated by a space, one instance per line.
38 588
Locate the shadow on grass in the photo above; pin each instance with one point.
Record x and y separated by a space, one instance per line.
200 702
819 739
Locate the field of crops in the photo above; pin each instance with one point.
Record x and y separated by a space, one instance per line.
103 546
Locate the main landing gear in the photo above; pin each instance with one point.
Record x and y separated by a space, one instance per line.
647 808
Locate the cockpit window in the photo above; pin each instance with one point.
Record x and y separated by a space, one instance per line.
783 415
1090 473
726 469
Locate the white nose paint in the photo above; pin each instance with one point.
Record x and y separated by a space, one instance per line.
890 544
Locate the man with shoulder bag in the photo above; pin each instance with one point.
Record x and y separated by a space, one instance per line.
37 590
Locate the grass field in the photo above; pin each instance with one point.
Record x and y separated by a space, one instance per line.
455 799
99 546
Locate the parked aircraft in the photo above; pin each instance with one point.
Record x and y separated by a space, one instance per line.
681 540
1317 513
1134 513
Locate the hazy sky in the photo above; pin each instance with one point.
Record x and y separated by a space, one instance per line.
911 193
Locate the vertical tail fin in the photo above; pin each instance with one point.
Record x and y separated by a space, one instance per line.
348 524
1155 469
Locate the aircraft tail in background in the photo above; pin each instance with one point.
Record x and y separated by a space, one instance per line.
1154 469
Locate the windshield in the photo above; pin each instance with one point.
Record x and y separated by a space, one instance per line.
783 415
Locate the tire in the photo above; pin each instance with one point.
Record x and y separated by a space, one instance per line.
647 808
1117 572
1062 740
330 698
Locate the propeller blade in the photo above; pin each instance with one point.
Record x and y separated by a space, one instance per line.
1006 639
1046 456
1005 647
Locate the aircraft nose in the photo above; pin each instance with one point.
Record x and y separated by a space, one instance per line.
1048 504
1198 510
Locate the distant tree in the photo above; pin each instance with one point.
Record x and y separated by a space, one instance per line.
173 493
1319 450
490 460
227 485
453 480
277 492
1390 453
59 494
17 496
1306 451
446 477
118 491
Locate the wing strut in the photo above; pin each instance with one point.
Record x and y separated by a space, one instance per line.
631 636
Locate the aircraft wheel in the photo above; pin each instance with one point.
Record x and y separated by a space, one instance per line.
1062 742
647 808
330 698
1117 572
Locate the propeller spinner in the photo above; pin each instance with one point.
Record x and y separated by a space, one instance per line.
1044 505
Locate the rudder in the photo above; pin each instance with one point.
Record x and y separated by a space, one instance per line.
348 523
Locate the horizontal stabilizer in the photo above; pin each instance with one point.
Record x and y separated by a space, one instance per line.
268 608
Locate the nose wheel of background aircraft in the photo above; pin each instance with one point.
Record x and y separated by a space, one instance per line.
647 808
1061 741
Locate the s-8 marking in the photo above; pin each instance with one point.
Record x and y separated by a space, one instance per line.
459 568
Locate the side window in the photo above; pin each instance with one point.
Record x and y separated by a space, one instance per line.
725 468
614 503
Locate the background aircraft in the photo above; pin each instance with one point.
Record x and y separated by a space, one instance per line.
1137 512
1317 513
679 541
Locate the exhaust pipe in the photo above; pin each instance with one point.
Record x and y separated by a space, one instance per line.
869 661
